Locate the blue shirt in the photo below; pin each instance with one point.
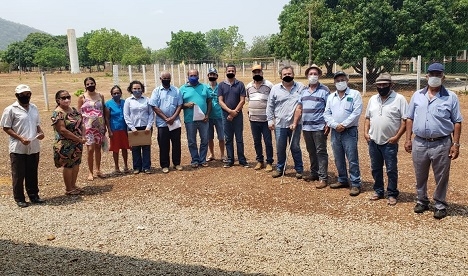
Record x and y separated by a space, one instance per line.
313 106
434 118
282 104
197 94
231 93
345 111
138 113
117 121
167 100
216 110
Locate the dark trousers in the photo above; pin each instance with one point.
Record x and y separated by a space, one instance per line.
260 129
24 169
165 139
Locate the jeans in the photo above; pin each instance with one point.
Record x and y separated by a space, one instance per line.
198 157
316 144
165 139
282 136
384 153
344 146
24 169
141 155
231 128
260 129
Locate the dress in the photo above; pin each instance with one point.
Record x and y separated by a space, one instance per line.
67 153
93 119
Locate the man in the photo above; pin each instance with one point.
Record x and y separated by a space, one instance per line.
231 96
257 96
20 121
281 105
197 108
383 127
435 119
342 114
216 116
166 102
311 107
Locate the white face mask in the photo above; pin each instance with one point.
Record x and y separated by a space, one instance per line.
434 81
313 79
341 86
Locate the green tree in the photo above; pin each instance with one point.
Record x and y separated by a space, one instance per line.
51 57
84 55
136 55
235 47
187 46
216 41
260 46
109 45
161 56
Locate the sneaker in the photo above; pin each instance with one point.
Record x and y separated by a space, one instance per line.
227 165
36 200
178 167
339 185
22 204
440 213
276 174
165 170
245 165
311 178
204 165
420 208
148 171
321 184
194 165
298 175
259 166
354 191
269 168
136 171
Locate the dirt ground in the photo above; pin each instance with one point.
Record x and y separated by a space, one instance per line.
236 187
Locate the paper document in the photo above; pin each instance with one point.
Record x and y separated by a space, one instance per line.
198 114
175 125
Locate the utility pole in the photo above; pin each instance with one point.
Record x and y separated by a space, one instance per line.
310 41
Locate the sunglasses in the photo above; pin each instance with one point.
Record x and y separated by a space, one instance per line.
65 98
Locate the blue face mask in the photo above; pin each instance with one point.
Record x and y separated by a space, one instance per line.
193 80
116 97
137 93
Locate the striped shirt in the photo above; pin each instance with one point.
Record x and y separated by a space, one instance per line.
282 104
258 99
313 106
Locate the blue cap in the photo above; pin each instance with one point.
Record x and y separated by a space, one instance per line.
339 73
436 67
212 70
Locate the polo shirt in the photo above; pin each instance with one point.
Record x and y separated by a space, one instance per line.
345 111
282 104
313 106
117 121
197 94
24 122
434 118
385 117
167 100
216 110
231 93
258 99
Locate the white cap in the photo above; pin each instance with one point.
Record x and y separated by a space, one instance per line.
22 88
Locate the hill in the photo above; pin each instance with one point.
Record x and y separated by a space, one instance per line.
12 32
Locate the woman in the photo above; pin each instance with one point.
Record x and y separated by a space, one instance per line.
139 115
91 105
69 140
118 129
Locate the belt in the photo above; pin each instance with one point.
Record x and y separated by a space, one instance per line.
432 139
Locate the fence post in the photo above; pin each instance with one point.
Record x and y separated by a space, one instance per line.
418 73
364 75
130 73
155 75
144 74
115 73
44 89
178 71
172 70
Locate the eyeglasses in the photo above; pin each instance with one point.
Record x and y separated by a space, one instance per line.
65 98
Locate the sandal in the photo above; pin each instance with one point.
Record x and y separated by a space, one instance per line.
73 192
375 196
100 175
116 172
126 170
392 201
210 158
90 177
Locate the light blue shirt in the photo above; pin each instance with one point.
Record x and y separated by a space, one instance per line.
436 117
138 113
313 106
167 100
282 104
345 111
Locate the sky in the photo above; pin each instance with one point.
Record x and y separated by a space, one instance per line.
150 20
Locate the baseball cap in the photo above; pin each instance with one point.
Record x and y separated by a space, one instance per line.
383 78
436 67
22 88
212 70
256 67
313 66
339 73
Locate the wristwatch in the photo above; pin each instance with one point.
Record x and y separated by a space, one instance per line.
456 144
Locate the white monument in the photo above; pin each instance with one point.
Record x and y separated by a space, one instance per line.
73 50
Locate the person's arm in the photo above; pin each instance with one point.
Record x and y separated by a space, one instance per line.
357 109
80 102
208 109
107 120
12 133
150 114
40 133
455 148
270 110
297 116
127 116
62 130
366 130
409 133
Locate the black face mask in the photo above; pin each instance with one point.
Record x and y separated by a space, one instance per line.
258 77
166 83
288 79
230 75
383 91
212 78
91 88
23 99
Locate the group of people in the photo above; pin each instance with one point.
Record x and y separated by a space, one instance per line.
288 108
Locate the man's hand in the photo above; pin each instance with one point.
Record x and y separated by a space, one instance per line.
454 152
189 104
393 140
25 141
367 137
408 146
340 128
40 136
292 127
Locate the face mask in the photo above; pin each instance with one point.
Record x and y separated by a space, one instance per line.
193 80
212 78
137 93
24 99
313 79
288 79
91 88
116 97
383 91
434 81
258 78
230 75
341 86
166 83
